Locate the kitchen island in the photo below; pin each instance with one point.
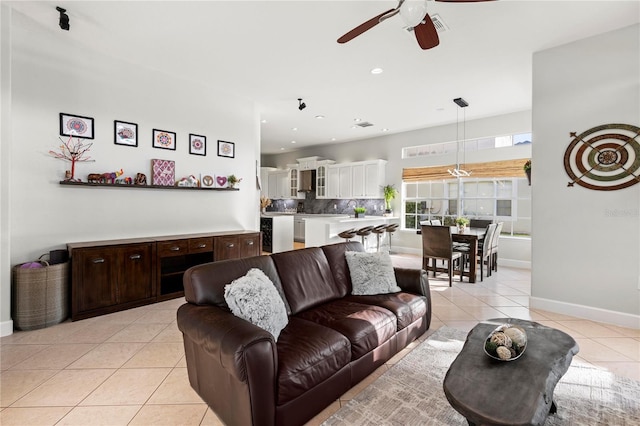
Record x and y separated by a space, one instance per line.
324 230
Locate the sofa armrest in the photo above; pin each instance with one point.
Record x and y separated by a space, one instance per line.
227 338
413 281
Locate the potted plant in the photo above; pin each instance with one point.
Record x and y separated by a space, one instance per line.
389 192
359 211
527 170
233 180
462 223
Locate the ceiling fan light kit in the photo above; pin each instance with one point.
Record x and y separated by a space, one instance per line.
415 16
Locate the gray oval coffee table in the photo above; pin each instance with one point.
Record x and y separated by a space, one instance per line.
520 392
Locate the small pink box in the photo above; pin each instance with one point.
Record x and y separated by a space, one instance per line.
163 172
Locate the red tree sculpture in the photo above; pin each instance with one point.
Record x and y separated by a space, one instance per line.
74 152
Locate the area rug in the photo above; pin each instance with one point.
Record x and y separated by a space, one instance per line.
410 392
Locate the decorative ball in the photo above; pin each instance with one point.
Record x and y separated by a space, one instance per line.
501 339
503 352
516 335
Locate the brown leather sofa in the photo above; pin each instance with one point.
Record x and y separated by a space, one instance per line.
332 341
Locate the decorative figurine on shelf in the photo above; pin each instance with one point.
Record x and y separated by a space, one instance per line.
233 180
94 177
74 152
141 179
111 177
128 180
189 182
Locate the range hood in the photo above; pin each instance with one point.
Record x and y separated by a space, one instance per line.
307 181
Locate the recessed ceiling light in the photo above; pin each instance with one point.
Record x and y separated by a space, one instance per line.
333 139
357 120
319 117
282 149
376 70
385 130
293 141
294 129
354 127
264 120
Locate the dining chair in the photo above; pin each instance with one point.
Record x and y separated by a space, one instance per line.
484 250
479 223
425 222
437 244
494 246
436 222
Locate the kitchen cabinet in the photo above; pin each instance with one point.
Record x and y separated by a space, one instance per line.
339 181
279 184
294 179
363 179
321 178
112 277
307 163
264 180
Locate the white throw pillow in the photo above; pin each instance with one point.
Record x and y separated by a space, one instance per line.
371 273
255 298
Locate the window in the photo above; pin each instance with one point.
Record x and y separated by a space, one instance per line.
469 145
497 199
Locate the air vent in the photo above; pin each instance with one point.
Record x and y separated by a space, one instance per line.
364 124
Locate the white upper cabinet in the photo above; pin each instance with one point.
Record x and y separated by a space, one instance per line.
279 184
363 179
307 163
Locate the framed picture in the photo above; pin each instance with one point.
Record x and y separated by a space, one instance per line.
226 149
76 126
125 133
164 140
207 180
197 144
163 172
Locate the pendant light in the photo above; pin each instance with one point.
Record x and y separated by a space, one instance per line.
459 172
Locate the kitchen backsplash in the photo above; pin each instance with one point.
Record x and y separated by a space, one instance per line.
312 205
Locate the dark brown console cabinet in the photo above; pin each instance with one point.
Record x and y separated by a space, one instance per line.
110 276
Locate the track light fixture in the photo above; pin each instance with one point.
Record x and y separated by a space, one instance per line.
64 19
301 105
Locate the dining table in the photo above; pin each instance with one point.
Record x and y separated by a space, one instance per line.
471 237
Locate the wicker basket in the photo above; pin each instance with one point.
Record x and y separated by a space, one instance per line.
40 296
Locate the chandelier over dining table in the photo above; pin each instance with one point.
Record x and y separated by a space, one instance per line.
458 171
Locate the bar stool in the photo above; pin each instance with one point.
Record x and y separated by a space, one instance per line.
364 232
391 228
348 234
379 230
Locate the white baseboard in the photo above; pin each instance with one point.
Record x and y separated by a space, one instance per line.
587 312
6 328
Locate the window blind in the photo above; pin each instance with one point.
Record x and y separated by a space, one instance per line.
491 169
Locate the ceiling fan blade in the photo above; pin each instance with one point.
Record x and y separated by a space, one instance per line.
363 27
426 33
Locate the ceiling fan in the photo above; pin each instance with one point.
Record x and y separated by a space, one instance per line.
414 14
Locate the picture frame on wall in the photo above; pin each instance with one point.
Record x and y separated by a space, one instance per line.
76 126
125 133
197 144
226 149
164 139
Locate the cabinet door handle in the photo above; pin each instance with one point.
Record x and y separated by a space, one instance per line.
250 242
99 260
175 248
202 245
230 245
135 256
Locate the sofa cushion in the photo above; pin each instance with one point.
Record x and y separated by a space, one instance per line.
254 298
204 284
308 354
306 278
366 326
407 307
338 262
371 273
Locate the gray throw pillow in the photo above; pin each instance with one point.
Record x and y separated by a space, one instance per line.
255 298
371 273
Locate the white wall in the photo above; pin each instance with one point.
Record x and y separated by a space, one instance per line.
51 74
585 260
389 147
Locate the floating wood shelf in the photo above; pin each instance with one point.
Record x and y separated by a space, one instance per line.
118 185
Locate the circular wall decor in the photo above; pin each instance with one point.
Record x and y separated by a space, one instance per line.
604 158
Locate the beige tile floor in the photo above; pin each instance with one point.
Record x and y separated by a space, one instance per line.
128 368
